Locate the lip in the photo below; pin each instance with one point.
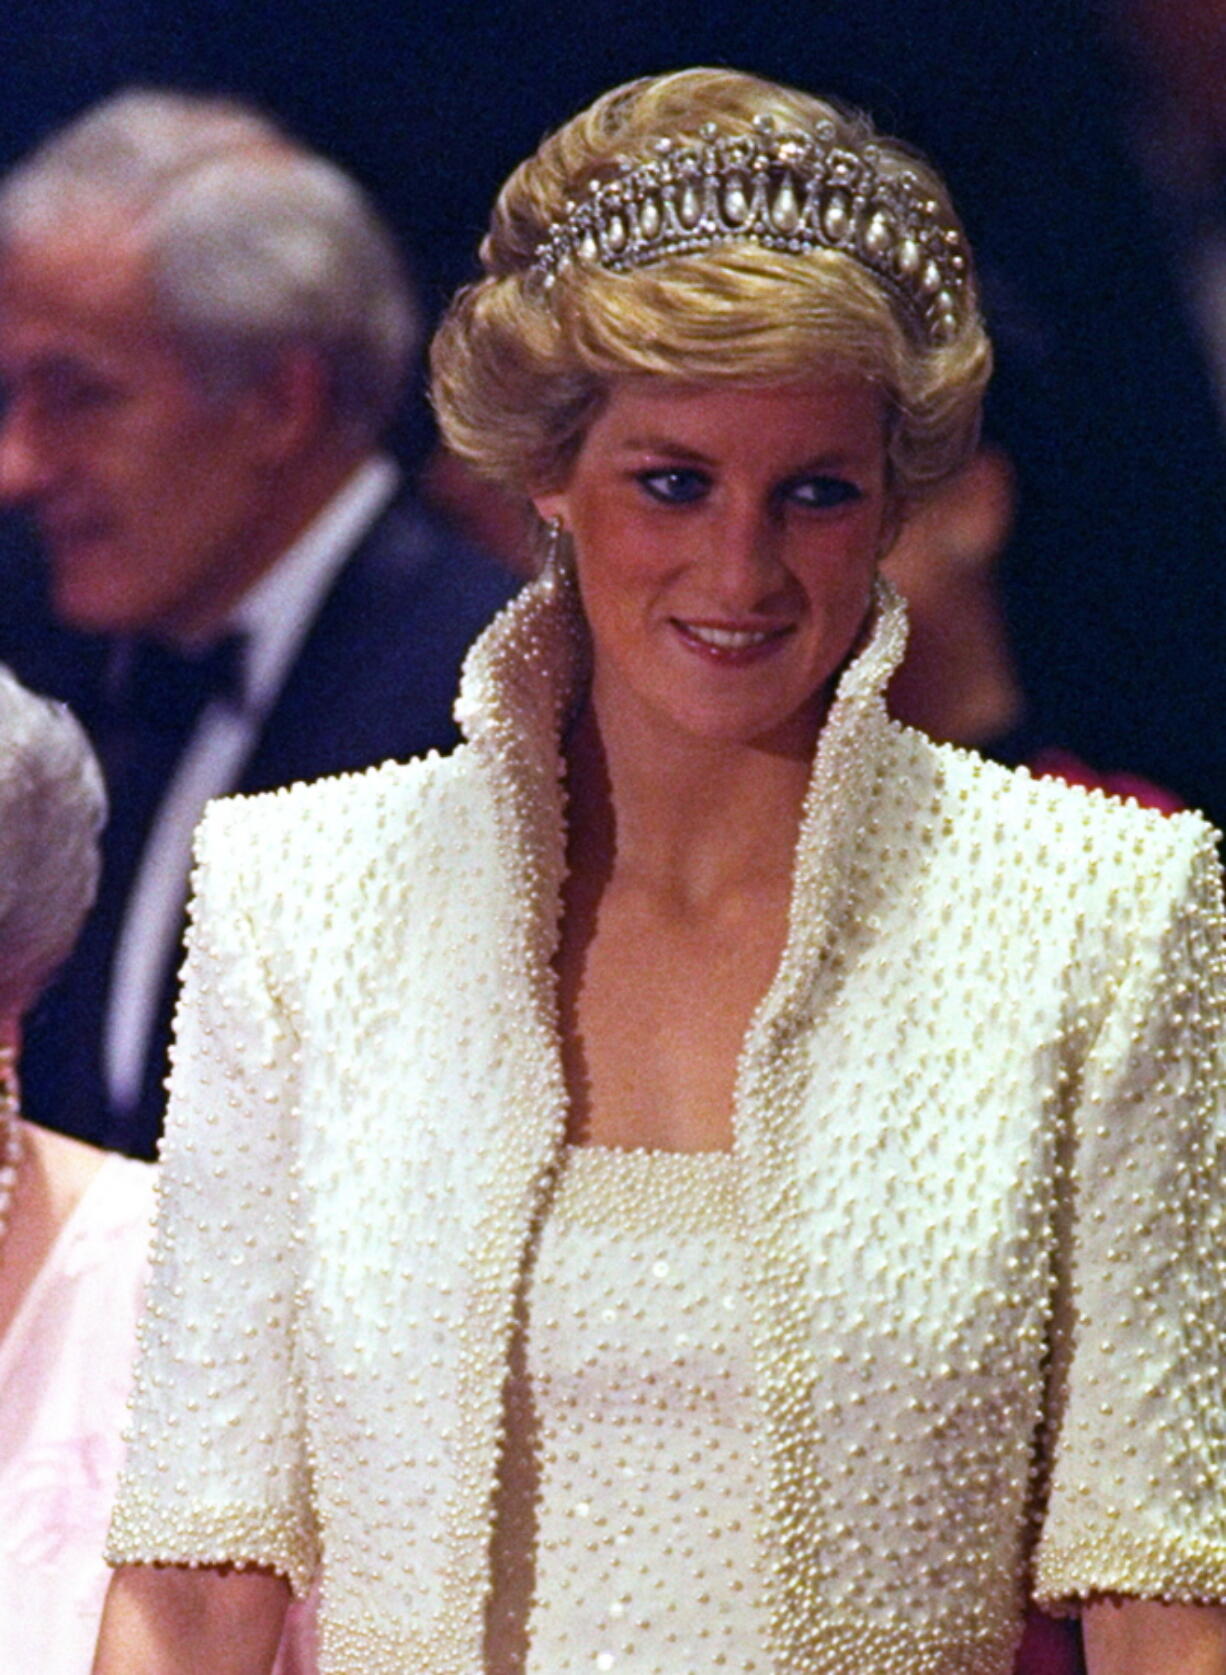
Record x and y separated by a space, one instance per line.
731 644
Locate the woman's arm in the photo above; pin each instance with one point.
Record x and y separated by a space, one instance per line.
216 1468
170 1620
1143 1637
1136 1410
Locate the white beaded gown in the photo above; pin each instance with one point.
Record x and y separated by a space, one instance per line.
630 1493
944 1332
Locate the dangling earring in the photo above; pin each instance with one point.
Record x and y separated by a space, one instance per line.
557 558
9 1101
10 1134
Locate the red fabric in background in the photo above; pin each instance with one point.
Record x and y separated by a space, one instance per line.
1062 764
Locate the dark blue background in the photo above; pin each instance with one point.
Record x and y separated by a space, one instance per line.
1116 583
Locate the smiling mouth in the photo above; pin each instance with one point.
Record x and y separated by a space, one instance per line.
727 642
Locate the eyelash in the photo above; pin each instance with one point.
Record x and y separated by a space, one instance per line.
654 481
684 486
834 491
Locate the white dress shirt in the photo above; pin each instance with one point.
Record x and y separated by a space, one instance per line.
274 616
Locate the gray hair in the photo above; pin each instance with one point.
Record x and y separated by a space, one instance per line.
52 808
257 245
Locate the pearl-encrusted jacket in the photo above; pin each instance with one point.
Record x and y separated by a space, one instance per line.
978 1116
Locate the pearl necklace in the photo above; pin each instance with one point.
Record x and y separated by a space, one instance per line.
10 1139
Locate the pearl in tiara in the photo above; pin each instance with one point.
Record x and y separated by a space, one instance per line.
789 191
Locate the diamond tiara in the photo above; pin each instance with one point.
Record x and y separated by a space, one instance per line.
794 192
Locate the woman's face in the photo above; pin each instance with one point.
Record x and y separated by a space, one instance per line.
726 541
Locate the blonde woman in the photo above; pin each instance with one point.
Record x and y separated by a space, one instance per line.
703 1178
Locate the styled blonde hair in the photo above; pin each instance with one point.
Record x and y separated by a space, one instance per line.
520 370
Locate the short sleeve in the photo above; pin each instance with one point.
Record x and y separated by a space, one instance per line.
217 1469
1137 1494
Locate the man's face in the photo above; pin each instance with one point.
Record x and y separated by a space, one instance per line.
150 499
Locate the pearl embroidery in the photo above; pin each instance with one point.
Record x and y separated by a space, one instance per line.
980 1154
630 1498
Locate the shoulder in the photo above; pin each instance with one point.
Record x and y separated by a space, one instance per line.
120 1202
1046 832
66 1165
105 1199
365 809
278 853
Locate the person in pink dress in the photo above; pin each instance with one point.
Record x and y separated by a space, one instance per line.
74 1226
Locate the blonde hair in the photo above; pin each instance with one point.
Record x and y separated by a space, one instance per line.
519 370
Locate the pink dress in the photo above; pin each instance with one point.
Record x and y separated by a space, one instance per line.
64 1366
64 1369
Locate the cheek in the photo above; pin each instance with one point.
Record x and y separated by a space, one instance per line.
630 547
139 451
840 576
622 605
614 560
206 474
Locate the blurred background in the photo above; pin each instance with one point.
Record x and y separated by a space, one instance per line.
1085 144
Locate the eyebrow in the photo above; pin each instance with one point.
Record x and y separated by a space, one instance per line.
835 460
664 445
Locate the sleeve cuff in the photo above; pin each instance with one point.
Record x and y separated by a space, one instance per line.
145 1532
1186 1570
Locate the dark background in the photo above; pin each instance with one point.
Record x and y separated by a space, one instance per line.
1116 578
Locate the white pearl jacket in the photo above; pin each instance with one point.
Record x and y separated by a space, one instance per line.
979 1119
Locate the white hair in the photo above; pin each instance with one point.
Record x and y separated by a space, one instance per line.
52 808
256 244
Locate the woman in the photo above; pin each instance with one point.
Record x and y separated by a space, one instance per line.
702 1178
74 1225
74 1233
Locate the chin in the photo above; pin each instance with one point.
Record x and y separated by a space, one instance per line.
790 733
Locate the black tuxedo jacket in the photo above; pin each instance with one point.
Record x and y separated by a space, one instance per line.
375 677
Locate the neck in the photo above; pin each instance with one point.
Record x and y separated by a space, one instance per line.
689 818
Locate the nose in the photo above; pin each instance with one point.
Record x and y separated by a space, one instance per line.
25 465
745 563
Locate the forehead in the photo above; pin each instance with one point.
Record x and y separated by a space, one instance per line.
835 412
86 293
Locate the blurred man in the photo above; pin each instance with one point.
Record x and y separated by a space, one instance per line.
203 332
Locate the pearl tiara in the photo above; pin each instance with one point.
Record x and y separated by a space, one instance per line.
795 192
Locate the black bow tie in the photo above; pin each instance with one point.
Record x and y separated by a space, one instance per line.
166 687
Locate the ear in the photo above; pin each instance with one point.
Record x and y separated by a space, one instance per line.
289 409
550 506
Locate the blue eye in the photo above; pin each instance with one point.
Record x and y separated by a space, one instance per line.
823 492
675 485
